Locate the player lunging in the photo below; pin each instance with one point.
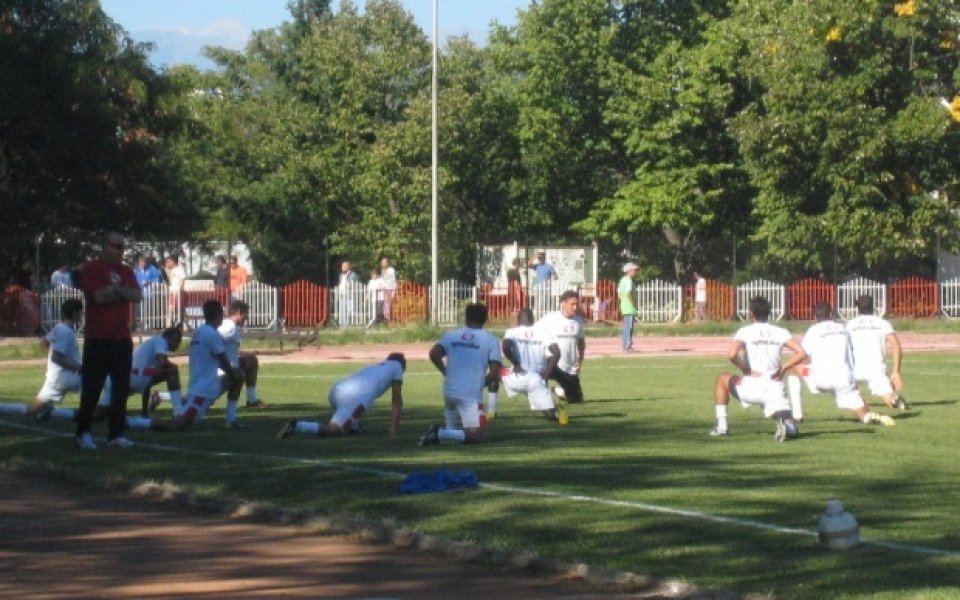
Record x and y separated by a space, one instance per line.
532 361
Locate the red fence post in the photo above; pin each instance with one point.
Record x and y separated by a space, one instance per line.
803 294
304 304
912 297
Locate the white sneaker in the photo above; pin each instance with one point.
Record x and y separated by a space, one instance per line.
120 442
84 441
559 392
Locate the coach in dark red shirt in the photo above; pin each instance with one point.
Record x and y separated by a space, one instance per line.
109 287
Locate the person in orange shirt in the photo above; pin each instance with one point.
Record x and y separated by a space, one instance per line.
238 276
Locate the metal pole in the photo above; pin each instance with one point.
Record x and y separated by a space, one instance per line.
433 169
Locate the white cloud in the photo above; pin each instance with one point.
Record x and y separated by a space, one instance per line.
183 44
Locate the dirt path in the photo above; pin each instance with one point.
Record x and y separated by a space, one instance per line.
62 540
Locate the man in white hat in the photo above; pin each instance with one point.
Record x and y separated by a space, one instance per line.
627 308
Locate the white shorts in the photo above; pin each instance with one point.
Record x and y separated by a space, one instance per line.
877 381
761 391
139 381
531 384
471 412
55 389
843 388
345 409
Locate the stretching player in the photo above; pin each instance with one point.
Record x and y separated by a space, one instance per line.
756 351
231 330
830 368
207 355
871 336
525 349
472 362
354 396
151 366
564 328
63 367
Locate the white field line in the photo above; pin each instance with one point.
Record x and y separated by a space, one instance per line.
523 491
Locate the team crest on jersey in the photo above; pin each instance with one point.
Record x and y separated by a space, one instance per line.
114 277
528 334
466 337
570 328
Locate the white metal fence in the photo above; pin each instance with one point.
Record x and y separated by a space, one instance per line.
659 302
774 292
950 298
850 290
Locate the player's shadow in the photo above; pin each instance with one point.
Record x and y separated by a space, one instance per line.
608 415
910 414
615 400
812 434
935 403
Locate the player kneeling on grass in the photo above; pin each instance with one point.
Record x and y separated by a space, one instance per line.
469 359
532 362
756 351
830 368
207 355
354 396
871 337
231 330
63 367
151 366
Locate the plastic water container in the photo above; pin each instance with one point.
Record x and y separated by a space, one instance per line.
838 529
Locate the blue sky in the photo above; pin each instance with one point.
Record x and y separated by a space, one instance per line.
180 28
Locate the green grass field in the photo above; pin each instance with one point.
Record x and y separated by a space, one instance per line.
590 491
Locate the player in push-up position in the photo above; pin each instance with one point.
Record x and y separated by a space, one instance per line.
354 396
830 368
532 361
207 355
469 359
756 351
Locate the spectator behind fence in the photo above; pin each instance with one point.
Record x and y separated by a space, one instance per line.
514 287
700 296
109 287
238 276
375 297
61 277
175 278
345 292
221 275
388 283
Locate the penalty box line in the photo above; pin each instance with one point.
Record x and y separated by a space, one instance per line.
523 491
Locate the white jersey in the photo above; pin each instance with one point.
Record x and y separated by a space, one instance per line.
469 352
145 356
530 346
63 339
231 334
367 384
176 276
868 335
205 345
388 278
764 343
554 328
827 343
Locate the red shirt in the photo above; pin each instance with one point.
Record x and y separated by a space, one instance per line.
111 321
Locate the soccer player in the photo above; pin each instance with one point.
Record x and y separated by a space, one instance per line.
830 368
469 359
63 367
756 350
564 328
871 337
152 366
207 355
354 396
231 330
525 349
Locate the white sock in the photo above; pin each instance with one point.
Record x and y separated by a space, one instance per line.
172 396
721 410
64 413
139 422
491 402
251 394
450 417
168 395
176 406
796 401
13 408
452 435
232 410
308 427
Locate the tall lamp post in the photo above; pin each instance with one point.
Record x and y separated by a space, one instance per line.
433 168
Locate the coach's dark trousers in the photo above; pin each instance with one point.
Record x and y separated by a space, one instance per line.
102 357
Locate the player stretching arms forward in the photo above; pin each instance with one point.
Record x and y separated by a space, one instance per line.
354 396
871 336
827 345
525 349
472 362
761 382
